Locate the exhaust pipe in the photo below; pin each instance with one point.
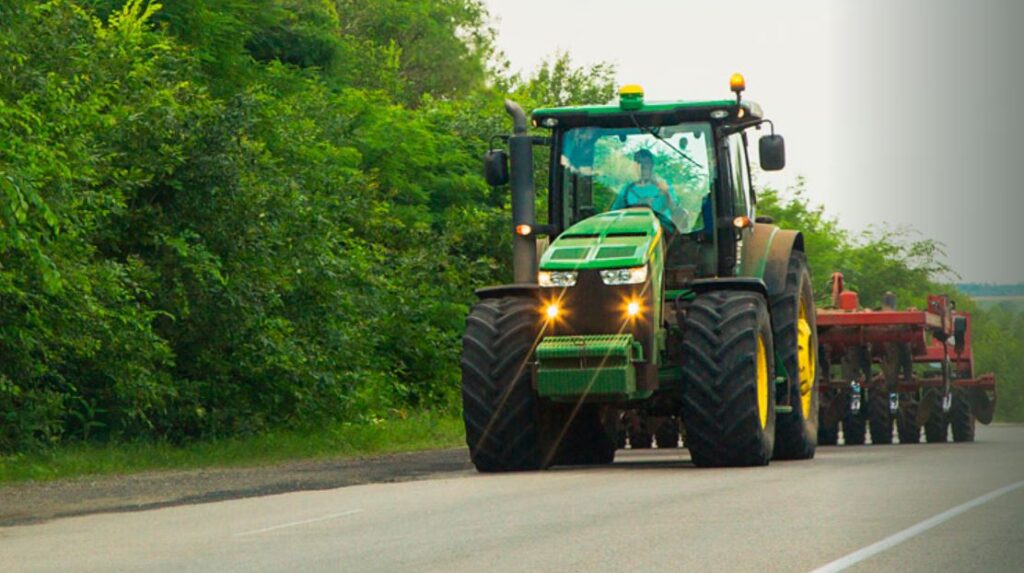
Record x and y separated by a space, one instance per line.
524 246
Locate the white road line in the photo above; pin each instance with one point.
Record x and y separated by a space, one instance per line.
895 539
303 522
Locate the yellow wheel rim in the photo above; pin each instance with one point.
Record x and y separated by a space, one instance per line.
762 382
806 359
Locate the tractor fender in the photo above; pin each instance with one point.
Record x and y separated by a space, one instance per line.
766 255
529 290
748 284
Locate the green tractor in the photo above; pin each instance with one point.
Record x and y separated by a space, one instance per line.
659 291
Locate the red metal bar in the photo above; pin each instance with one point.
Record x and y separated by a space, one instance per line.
832 318
863 335
985 381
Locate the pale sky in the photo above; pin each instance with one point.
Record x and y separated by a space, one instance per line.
896 112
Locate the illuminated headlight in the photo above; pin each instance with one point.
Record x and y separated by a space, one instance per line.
635 275
557 278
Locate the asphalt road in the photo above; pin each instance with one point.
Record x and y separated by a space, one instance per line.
945 507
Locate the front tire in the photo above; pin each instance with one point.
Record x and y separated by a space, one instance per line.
502 414
727 395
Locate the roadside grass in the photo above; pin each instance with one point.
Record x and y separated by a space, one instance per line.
419 432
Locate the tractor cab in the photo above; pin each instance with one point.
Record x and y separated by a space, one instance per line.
653 255
685 161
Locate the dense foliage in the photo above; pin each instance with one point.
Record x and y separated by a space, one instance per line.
222 217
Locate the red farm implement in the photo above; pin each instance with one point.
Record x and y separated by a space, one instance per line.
910 369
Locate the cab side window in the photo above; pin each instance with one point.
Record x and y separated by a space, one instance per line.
740 175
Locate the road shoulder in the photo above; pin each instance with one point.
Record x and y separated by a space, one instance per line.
35 502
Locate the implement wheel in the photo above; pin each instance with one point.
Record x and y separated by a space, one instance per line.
828 421
854 429
828 436
667 433
936 427
961 419
638 429
879 417
503 416
589 439
727 395
906 420
796 342
641 440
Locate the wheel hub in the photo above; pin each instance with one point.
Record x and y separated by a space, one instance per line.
806 360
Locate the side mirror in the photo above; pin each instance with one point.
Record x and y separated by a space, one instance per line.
772 149
496 167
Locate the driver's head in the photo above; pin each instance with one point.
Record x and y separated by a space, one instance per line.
645 159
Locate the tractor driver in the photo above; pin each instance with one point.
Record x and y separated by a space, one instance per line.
651 191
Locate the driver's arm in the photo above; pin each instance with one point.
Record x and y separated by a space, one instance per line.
620 200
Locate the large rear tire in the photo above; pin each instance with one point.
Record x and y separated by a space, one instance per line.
503 416
727 395
796 342
961 419
880 419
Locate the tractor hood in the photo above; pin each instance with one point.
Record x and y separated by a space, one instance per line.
617 239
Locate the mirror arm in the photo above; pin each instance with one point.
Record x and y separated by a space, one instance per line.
502 136
769 122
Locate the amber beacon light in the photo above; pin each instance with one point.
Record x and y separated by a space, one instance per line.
737 83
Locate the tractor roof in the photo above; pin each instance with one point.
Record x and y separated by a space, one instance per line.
650 113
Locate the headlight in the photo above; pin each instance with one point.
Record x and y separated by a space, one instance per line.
557 278
635 275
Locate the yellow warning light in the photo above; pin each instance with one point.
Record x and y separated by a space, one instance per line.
523 230
633 309
631 97
737 83
551 311
741 222
631 90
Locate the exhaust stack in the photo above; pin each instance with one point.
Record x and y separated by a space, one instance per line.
524 245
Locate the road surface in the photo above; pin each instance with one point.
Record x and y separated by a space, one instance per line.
929 507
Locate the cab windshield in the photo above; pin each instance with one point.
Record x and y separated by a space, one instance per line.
668 169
